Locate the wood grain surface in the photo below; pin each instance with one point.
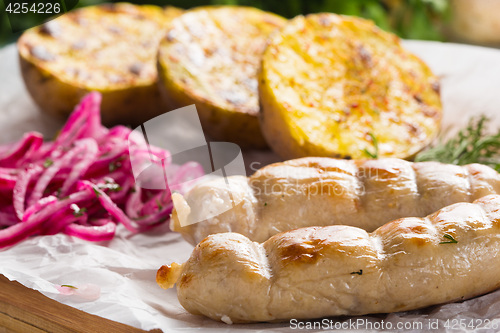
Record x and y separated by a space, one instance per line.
25 310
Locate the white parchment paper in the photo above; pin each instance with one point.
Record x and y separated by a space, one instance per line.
125 267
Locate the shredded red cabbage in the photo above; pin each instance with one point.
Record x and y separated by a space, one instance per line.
82 183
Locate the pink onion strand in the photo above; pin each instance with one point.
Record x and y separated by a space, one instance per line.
82 183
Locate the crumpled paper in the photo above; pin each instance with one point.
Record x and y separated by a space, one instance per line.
124 268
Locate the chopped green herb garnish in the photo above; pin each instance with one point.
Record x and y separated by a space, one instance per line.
470 145
160 206
265 203
450 239
114 165
48 162
110 185
97 194
360 272
375 145
77 211
114 187
141 217
69 286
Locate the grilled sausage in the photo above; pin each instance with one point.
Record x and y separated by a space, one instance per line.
323 191
316 272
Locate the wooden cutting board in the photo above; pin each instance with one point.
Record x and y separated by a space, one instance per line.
25 310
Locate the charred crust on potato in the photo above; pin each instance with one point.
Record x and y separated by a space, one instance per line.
371 82
224 89
80 51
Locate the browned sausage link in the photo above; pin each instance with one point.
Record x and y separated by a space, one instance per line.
323 191
316 272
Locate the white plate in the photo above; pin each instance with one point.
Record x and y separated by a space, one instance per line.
125 268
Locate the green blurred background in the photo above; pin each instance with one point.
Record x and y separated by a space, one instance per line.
413 19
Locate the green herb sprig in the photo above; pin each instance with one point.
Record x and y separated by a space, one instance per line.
450 239
77 211
48 162
68 286
96 191
470 145
373 154
158 203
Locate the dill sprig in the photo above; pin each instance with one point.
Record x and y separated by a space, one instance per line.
373 154
68 286
449 239
470 145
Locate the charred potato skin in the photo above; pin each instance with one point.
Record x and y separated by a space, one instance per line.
237 124
58 98
129 104
290 140
218 123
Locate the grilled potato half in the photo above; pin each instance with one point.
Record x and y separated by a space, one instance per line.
109 48
338 86
210 57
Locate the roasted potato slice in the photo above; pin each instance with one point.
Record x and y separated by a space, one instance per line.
339 86
109 48
210 57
